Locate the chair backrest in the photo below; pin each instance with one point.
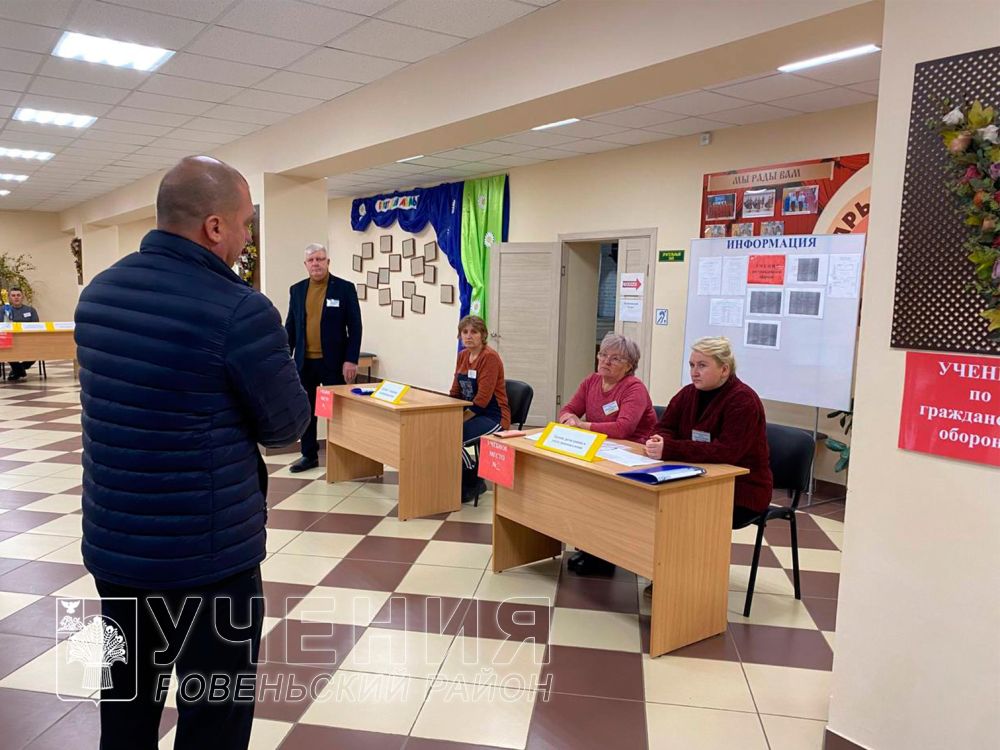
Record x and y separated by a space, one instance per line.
659 411
791 452
519 395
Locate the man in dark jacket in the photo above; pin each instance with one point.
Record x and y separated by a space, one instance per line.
18 312
324 334
184 369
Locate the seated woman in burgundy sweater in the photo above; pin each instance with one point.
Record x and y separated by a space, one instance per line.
613 401
718 419
479 379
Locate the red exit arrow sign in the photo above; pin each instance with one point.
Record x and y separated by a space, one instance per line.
634 284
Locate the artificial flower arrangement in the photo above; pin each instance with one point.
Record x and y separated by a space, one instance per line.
248 262
972 139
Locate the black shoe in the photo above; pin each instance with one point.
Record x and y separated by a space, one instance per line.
471 492
576 560
593 566
303 464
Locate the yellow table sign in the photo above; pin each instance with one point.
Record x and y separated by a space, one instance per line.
390 392
571 441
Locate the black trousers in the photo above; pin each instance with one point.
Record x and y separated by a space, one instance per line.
213 639
19 368
313 375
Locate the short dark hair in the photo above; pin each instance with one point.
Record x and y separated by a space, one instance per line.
198 186
15 289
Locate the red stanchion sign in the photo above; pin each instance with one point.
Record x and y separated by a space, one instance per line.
324 404
496 462
6 340
951 407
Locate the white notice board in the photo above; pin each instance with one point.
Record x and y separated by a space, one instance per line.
788 304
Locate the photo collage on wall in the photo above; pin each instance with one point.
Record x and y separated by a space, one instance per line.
378 275
773 200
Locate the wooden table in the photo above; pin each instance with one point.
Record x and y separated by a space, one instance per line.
678 534
421 437
33 346
367 359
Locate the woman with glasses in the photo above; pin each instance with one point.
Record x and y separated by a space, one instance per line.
613 401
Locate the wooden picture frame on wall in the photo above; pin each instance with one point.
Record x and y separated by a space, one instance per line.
396 262
409 289
367 250
385 243
409 248
430 251
383 276
357 263
384 296
396 309
447 294
372 279
430 274
362 291
416 266
418 303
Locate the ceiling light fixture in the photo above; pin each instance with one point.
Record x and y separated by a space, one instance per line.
23 153
8 177
4 192
95 49
63 119
557 124
812 62
410 158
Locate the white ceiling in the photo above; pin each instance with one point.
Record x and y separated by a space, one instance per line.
240 66
744 102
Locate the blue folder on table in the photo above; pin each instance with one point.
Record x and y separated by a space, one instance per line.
663 473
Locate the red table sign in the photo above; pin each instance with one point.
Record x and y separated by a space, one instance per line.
324 404
6 340
496 462
766 269
948 407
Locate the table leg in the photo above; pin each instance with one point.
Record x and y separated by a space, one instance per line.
343 465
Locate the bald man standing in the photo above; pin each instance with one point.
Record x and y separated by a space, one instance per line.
184 370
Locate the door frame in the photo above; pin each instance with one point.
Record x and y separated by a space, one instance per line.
617 235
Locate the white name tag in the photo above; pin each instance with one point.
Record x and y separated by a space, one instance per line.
610 408
472 374
333 303
27 315
700 437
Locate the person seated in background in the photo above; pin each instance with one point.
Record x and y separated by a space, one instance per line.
718 419
613 401
479 379
18 312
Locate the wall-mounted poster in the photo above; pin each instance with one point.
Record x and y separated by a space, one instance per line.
362 291
383 276
397 308
409 289
367 250
372 279
715 230
416 266
772 228
722 206
417 303
815 196
409 248
395 262
430 274
357 263
384 296
447 294
430 251
742 230
385 243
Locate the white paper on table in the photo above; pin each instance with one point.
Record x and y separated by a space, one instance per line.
845 272
6 326
64 325
630 310
710 276
33 327
734 275
620 455
726 312
533 437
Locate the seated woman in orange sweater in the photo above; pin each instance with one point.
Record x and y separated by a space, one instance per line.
613 401
479 379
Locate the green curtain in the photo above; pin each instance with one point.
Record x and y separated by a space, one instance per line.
482 222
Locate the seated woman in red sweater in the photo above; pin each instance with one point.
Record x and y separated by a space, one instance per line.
613 401
479 379
718 419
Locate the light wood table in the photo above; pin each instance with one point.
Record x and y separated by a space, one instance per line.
32 346
678 534
421 437
368 360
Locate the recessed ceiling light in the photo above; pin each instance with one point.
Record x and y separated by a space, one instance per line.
8 177
812 62
23 153
410 158
557 123
4 192
63 119
96 49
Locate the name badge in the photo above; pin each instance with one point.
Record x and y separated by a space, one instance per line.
610 408
472 374
27 315
700 437
333 303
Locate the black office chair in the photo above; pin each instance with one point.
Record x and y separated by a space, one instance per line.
659 411
791 455
519 396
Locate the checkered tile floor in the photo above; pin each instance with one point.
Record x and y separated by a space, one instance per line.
425 647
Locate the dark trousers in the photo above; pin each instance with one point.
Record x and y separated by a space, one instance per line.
220 650
19 369
473 429
313 375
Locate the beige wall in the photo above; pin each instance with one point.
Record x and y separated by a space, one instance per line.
100 250
417 349
130 235
37 235
916 662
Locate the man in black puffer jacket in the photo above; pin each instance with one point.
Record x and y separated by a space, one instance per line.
184 369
